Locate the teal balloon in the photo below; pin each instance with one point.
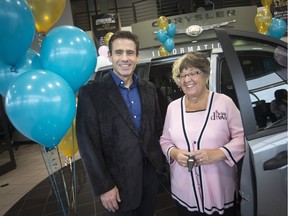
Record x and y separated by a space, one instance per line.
277 28
41 105
8 74
171 30
69 52
162 35
17 30
169 44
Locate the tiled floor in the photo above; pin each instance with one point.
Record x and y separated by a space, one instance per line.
28 191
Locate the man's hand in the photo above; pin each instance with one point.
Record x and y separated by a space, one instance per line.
110 199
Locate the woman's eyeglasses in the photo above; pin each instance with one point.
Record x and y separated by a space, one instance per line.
189 75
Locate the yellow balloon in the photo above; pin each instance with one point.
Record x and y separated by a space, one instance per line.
163 22
69 144
46 13
107 38
266 3
263 20
163 51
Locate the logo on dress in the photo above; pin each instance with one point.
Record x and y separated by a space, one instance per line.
218 115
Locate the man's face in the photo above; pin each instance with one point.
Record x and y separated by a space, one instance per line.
123 57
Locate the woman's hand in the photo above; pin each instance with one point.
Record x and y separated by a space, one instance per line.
208 156
180 156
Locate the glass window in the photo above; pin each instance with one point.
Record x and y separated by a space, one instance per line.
265 73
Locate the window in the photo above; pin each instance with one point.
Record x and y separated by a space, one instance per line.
265 74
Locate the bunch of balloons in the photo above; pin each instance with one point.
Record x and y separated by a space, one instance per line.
165 35
39 88
267 24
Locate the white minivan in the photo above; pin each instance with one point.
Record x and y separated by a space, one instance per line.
250 68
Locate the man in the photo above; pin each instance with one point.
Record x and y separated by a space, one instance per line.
118 129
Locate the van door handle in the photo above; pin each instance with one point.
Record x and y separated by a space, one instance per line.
276 162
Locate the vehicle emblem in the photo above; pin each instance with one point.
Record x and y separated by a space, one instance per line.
196 30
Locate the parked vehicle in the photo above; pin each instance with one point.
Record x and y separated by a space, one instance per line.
249 67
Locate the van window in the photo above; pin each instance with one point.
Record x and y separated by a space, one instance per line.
266 79
161 76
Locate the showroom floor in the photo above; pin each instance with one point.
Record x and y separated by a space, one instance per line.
29 190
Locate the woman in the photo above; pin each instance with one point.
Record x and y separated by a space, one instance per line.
206 126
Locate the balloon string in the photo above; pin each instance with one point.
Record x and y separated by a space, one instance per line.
73 186
73 167
52 176
40 37
73 143
63 178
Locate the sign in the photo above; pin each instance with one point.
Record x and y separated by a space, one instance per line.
240 18
102 24
181 48
280 9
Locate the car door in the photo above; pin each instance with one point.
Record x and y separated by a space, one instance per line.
252 76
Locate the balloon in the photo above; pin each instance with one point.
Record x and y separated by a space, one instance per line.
277 28
46 12
266 3
41 105
263 20
162 22
171 30
17 30
69 144
8 74
162 51
103 51
69 52
162 35
280 56
107 38
169 44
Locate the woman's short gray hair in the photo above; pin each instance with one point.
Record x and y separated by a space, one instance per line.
188 60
